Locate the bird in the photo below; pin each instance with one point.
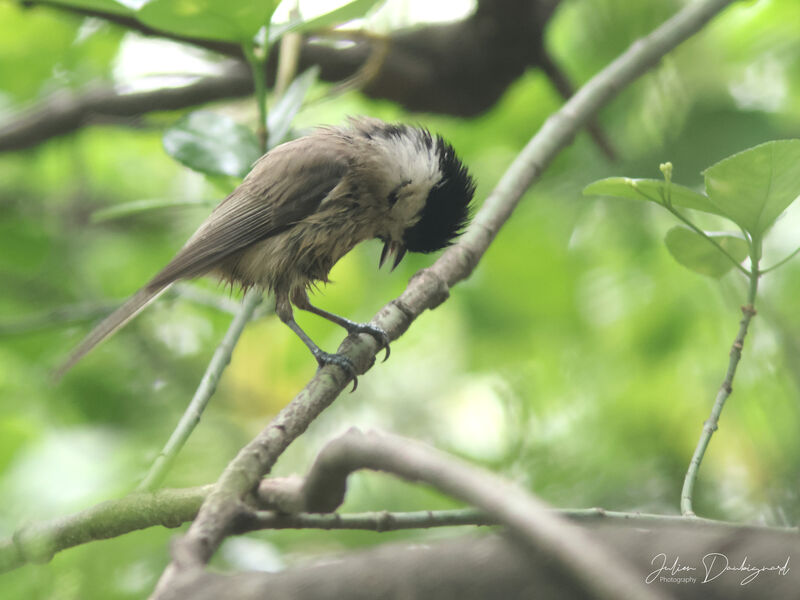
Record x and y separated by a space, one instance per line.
303 206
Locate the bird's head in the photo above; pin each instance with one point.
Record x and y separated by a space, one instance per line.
429 205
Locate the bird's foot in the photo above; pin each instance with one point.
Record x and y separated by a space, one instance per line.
341 361
376 332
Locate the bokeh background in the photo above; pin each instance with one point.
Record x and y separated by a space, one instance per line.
580 359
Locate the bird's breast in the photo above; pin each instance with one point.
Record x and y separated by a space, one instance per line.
295 258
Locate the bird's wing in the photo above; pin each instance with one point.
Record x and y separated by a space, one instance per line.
284 187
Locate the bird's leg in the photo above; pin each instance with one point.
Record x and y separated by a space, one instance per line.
284 311
301 301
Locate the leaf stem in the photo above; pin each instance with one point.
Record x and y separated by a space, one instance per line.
258 68
711 240
781 262
710 426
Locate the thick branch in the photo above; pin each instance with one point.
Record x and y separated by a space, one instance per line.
597 571
40 541
429 287
491 567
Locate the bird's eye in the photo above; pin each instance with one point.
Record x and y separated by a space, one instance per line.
394 195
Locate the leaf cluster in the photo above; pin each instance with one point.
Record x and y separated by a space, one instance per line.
751 189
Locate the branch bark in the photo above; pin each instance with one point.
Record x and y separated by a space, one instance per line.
488 567
597 572
427 289
724 392
205 389
39 542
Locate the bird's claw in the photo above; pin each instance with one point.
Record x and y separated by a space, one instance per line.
377 333
341 361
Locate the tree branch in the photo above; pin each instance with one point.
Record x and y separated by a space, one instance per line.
725 390
38 542
206 388
427 289
596 569
489 567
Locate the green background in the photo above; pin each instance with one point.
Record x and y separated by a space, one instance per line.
580 359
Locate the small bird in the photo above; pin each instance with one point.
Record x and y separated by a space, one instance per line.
307 203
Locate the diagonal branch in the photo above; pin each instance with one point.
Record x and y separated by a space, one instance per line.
427 289
203 393
724 392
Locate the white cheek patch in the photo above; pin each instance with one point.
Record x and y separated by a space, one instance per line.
415 162
415 167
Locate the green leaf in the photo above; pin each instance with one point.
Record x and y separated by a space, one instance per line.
208 19
695 252
655 190
752 188
212 143
280 117
352 10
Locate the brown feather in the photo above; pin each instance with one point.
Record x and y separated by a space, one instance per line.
307 203
253 212
133 306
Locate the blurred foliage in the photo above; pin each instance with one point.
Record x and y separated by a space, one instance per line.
580 359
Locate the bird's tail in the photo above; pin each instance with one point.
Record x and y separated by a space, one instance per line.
111 324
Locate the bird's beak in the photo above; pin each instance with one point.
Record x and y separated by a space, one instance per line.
395 248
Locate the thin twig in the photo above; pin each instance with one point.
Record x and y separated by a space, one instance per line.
289 55
257 64
222 356
208 384
781 262
710 426
708 238
427 289
38 542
